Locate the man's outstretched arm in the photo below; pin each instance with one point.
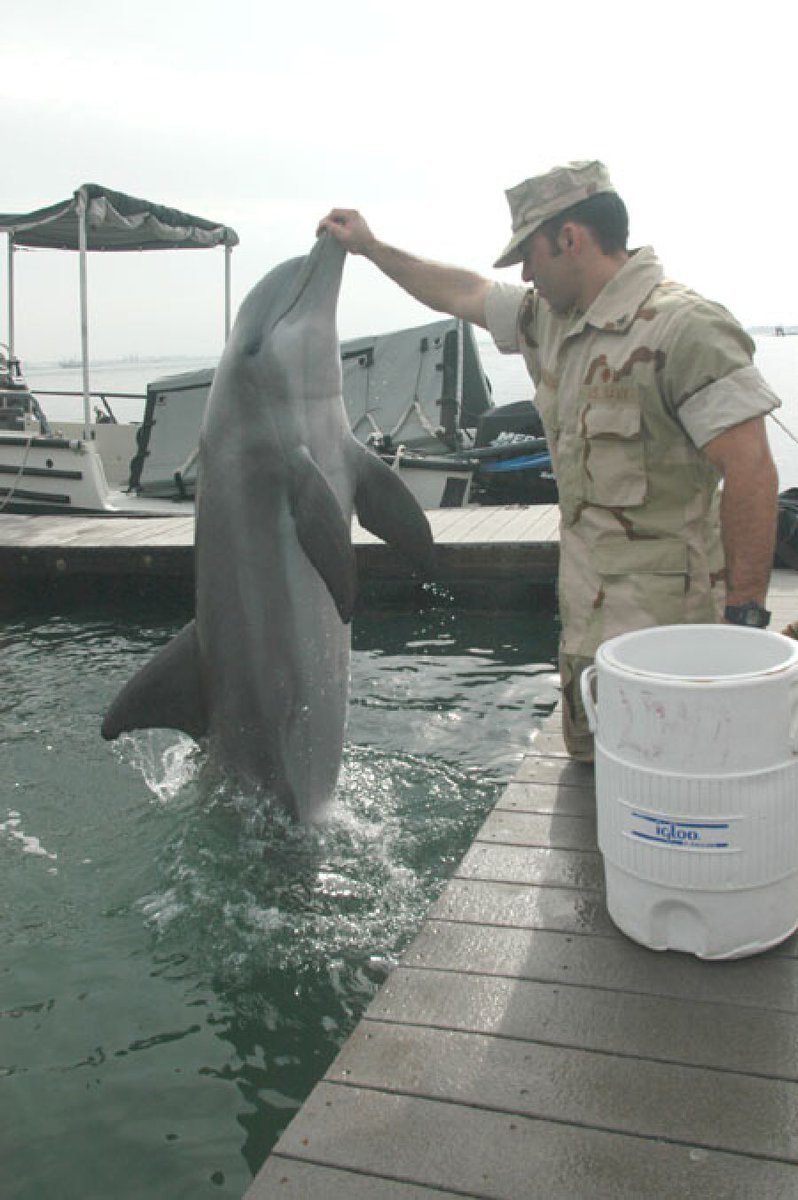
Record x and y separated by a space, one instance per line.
443 288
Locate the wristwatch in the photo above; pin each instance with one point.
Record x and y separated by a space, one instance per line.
751 614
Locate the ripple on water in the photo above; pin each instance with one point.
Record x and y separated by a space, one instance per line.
252 892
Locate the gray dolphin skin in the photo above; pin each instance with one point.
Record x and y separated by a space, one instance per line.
263 669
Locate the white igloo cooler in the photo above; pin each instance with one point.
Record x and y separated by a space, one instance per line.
696 743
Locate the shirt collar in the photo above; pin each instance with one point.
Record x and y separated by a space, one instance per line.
613 310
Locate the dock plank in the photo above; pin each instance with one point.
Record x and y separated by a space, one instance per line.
511 828
614 964
518 526
547 798
473 525
578 1087
290 1179
562 772
447 523
783 598
503 1156
547 527
713 1035
540 866
523 906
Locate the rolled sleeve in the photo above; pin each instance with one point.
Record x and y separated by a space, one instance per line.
502 307
728 402
710 381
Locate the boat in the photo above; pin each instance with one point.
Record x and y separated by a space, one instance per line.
448 441
418 397
409 403
786 550
421 399
84 466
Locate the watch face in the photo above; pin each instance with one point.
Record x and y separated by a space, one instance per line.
750 614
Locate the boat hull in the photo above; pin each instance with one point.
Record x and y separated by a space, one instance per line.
60 475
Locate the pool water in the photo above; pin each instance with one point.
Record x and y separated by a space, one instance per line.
178 966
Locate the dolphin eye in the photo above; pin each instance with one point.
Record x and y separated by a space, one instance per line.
252 345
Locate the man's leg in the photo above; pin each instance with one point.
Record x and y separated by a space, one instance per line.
576 733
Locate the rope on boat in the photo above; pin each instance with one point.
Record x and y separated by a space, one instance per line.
783 427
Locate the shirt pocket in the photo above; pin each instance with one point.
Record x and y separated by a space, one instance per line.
613 471
643 583
616 554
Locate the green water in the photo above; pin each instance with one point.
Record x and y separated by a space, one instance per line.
177 967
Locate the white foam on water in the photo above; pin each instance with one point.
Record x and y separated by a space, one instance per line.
252 892
27 842
166 760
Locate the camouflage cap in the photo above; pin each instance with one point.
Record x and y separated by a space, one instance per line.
539 199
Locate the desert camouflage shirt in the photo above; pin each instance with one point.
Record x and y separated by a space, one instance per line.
628 393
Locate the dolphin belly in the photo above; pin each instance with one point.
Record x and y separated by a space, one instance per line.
277 654
263 669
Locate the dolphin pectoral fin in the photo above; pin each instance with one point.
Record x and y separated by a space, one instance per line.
387 509
323 531
165 694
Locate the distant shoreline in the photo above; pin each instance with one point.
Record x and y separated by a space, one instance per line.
135 360
132 361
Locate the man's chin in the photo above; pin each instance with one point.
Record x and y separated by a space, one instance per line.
561 308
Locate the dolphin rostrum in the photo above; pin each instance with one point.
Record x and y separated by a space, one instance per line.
263 669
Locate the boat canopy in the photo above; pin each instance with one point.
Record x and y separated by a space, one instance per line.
113 221
96 218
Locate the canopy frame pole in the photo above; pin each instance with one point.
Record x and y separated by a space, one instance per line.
228 260
10 298
11 301
460 367
84 315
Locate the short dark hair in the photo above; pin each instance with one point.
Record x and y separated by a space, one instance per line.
604 215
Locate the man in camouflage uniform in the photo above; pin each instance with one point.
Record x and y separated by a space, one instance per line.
648 397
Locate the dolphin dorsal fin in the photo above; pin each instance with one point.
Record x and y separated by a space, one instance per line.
165 694
323 531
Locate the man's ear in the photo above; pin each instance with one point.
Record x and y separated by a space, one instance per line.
570 237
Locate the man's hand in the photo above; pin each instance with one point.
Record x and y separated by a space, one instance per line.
443 288
351 230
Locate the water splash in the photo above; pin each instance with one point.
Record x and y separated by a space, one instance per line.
250 892
167 761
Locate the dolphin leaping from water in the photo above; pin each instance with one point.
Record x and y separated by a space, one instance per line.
263 669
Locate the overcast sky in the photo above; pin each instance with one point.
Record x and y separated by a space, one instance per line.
420 113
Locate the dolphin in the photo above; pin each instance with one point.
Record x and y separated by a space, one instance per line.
263 669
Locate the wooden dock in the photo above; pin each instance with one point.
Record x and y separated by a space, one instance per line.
515 545
525 1048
